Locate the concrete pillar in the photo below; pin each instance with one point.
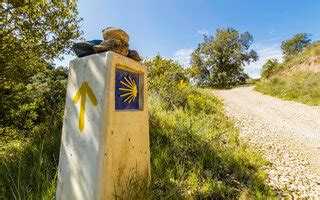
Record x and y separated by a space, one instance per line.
105 135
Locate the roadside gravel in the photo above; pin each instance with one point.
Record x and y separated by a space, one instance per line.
286 133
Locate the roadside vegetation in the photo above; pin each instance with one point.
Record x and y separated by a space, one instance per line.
196 152
283 81
300 86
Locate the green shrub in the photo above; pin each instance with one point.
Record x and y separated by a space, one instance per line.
169 80
296 44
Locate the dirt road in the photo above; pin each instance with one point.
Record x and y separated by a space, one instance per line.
287 134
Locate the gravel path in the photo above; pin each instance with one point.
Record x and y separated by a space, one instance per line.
287 134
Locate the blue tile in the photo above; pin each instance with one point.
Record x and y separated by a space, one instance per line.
127 90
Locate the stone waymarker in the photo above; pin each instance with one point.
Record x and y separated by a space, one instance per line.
105 136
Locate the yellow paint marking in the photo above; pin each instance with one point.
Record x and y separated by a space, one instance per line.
83 91
126 94
126 84
133 83
127 99
134 92
129 82
130 100
125 89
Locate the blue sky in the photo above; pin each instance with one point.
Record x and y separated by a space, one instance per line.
174 28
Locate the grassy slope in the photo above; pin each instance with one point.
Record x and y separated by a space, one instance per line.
28 166
302 87
196 153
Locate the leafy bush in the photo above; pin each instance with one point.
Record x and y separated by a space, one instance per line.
33 34
32 94
169 79
26 105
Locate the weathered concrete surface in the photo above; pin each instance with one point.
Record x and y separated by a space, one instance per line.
95 162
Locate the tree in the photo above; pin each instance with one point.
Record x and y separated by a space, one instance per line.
218 61
296 44
33 34
269 67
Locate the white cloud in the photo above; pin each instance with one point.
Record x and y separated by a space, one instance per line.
265 51
183 56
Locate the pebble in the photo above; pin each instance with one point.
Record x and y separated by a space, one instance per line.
291 173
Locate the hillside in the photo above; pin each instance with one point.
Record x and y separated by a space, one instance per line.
306 61
297 78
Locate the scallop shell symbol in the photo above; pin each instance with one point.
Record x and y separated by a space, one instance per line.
130 88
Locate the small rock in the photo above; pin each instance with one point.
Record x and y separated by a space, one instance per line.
114 45
115 33
85 48
134 55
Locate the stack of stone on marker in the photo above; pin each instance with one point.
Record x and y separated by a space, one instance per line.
115 39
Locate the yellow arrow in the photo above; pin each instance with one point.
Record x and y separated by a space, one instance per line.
83 91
